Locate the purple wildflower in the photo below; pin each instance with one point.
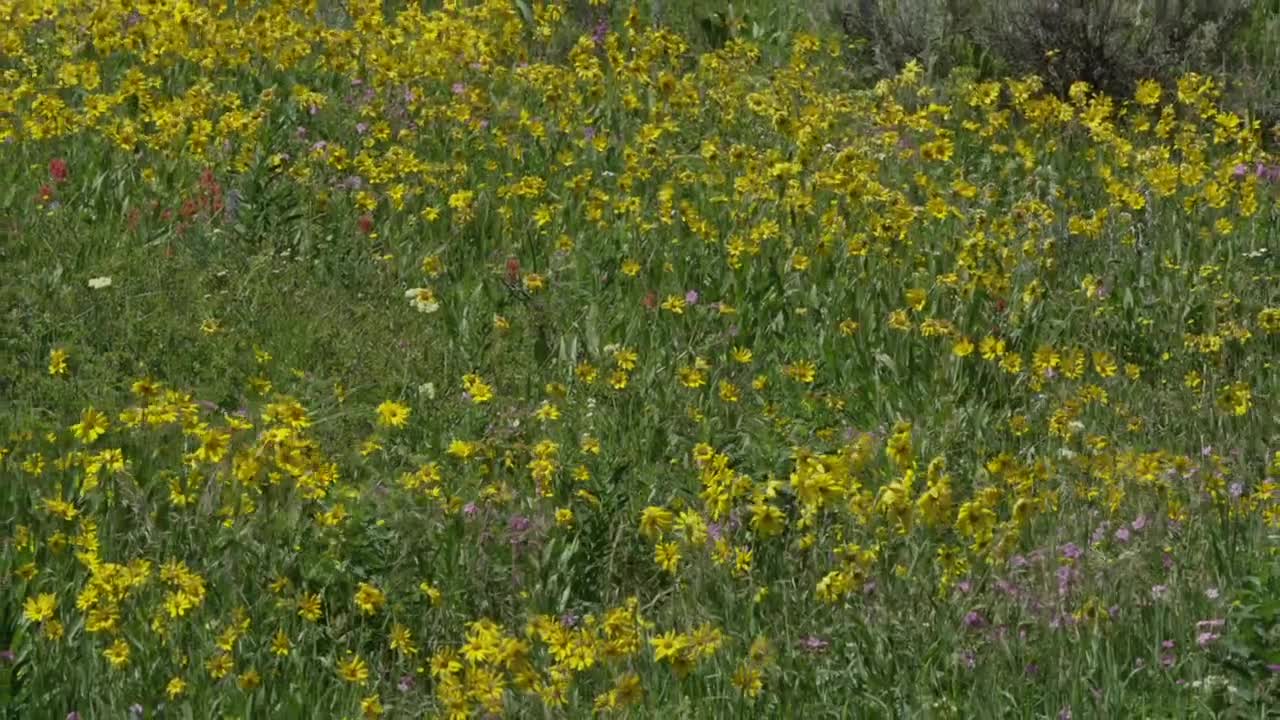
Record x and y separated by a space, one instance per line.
1007 588
1205 639
517 525
1099 533
1065 574
715 531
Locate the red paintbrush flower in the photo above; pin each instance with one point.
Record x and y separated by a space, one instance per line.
58 170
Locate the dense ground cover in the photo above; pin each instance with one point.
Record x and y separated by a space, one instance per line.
455 363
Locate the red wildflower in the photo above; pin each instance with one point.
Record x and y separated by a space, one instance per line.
365 223
513 271
58 170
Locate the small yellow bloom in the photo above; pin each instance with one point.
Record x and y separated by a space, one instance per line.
280 644
564 517
674 304
354 670
58 362
369 598
667 556
1148 93
393 414
40 608
309 607
117 654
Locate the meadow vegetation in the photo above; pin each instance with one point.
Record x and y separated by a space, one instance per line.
523 359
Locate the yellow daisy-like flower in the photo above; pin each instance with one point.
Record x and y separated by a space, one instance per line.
393 414
39 608
117 654
1148 93
280 644
354 670
369 598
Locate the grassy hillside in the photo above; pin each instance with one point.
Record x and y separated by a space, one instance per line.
511 359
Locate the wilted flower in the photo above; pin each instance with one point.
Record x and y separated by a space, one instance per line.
422 299
813 643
